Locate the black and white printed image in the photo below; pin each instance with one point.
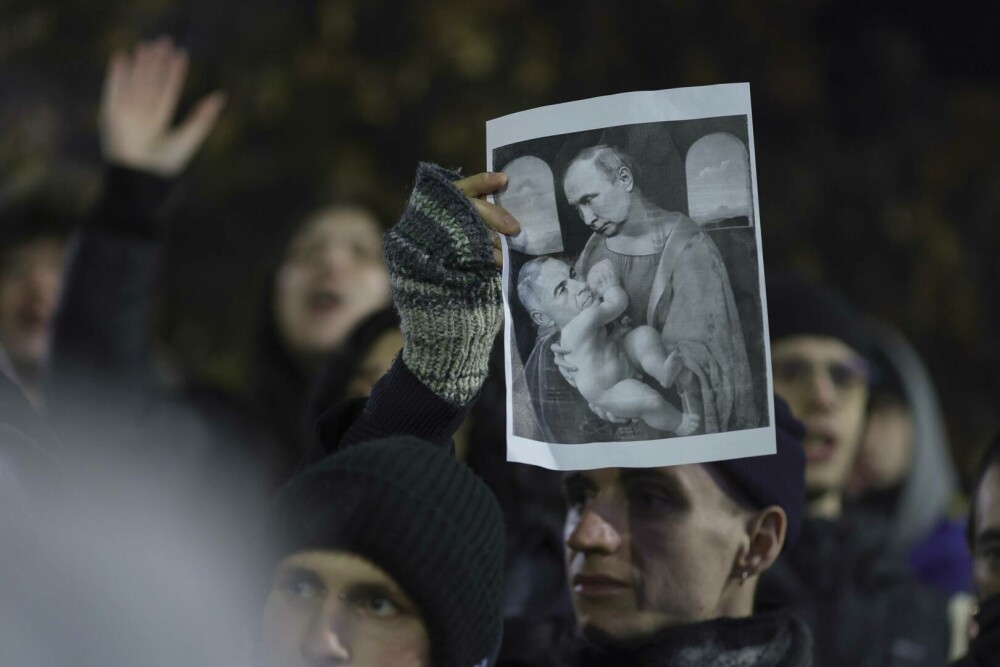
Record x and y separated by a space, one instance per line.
634 287
531 198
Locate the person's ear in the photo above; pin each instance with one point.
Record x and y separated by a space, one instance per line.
541 319
625 176
766 532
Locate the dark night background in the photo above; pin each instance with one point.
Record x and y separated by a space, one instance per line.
875 128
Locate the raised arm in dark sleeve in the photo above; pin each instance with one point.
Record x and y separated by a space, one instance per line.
101 342
446 287
100 371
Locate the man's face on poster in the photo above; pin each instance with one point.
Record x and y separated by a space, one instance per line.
648 548
825 382
602 200
561 295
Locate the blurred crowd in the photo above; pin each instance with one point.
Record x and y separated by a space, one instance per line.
879 174
345 498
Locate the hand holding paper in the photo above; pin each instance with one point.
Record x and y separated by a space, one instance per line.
476 188
442 270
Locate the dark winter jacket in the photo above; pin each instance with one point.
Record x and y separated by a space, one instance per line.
863 606
766 640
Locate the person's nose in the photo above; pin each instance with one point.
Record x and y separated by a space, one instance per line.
326 641
336 258
595 532
588 216
822 394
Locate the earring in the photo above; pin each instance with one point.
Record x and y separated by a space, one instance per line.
743 576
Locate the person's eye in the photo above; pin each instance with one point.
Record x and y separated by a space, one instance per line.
305 589
789 370
840 375
381 606
649 498
301 588
843 376
367 253
375 603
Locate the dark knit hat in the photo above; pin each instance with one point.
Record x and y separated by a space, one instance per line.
796 307
422 516
775 479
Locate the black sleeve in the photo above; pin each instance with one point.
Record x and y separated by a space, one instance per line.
101 340
399 404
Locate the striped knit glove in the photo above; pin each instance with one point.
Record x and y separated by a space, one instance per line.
445 286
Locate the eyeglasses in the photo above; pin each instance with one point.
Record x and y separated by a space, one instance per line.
845 376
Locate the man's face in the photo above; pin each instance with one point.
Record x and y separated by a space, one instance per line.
562 296
332 278
986 555
334 608
825 383
29 288
649 548
603 202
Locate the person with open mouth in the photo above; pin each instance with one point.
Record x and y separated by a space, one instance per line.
858 596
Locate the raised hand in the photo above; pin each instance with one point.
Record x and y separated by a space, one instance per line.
139 101
496 218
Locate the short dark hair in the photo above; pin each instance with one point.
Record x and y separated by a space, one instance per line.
991 457
608 160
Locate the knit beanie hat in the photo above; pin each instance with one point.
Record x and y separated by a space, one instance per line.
422 516
775 479
796 307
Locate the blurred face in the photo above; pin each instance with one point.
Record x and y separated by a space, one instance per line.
332 277
603 203
650 548
986 555
561 295
375 364
886 448
29 289
334 608
825 383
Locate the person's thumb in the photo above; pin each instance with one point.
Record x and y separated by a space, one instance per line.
191 133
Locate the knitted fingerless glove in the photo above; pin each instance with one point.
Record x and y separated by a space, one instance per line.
445 286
